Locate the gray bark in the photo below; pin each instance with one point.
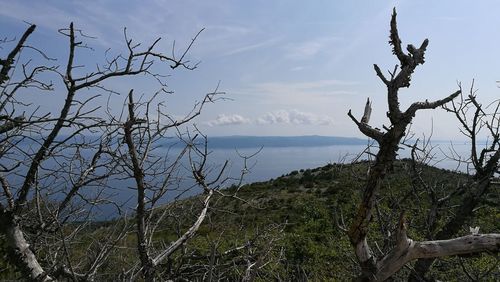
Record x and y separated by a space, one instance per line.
19 250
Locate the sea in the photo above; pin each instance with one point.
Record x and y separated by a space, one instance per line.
263 164
257 164
269 163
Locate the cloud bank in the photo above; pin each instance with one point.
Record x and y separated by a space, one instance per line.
293 117
224 119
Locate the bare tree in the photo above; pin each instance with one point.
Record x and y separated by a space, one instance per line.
155 176
477 121
56 169
404 249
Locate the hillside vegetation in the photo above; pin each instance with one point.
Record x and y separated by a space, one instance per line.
312 207
291 228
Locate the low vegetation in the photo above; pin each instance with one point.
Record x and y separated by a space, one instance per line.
293 228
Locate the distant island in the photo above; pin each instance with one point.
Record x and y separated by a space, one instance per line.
239 141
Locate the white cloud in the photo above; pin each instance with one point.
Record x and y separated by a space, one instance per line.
306 49
252 47
294 117
293 95
450 18
309 85
224 119
106 20
310 48
88 18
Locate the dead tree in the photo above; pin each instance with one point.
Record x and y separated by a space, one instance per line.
405 249
159 177
55 169
156 177
483 164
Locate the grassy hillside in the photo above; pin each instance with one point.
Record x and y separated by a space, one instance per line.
313 206
291 228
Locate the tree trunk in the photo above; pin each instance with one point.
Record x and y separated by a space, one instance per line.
19 250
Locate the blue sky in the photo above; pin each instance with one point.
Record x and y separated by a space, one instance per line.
289 67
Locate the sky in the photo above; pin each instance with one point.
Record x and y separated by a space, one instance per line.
287 67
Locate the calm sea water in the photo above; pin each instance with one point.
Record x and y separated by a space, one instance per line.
274 162
268 163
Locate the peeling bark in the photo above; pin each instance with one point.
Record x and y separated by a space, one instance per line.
408 250
19 250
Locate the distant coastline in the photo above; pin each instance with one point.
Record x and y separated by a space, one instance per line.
240 141
249 141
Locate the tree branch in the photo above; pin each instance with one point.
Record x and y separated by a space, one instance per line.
408 250
429 105
366 129
9 61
